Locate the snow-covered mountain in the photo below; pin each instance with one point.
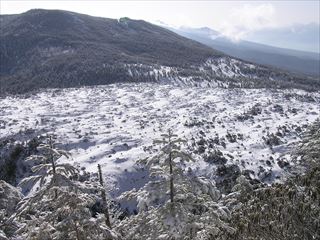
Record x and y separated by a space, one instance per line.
52 48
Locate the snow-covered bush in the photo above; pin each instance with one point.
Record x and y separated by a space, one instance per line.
62 208
9 198
191 216
46 167
289 210
66 217
190 211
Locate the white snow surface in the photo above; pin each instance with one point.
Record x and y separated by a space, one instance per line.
114 125
222 67
228 67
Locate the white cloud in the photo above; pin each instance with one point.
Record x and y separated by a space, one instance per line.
246 19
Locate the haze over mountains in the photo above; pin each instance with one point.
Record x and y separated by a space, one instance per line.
289 59
53 48
303 37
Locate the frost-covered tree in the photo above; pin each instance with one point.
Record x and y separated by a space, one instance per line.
288 210
68 216
166 173
46 166
63 207
104 198
190 211
195 214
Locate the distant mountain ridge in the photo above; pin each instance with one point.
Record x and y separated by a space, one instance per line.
305 37
54 48
291 60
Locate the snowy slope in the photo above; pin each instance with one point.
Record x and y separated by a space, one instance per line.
115 125
51 46
224 67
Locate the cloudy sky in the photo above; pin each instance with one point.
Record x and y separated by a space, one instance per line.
235 19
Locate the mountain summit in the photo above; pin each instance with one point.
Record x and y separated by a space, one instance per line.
54 48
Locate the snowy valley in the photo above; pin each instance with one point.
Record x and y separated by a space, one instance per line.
115 125
239 140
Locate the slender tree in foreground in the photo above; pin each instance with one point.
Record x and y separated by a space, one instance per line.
104 198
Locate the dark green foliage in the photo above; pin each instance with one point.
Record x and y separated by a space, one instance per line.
52 48
272 140
226 177
12 155
215 157
284 211
8 163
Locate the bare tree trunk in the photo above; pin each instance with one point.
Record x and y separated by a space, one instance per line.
53 166
104 199
171 168
51 156
77 231
171 178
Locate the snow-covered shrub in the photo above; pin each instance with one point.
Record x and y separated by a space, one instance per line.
62 208
288 210
191 216
9 198
67 216
190 211
166 171
46 167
